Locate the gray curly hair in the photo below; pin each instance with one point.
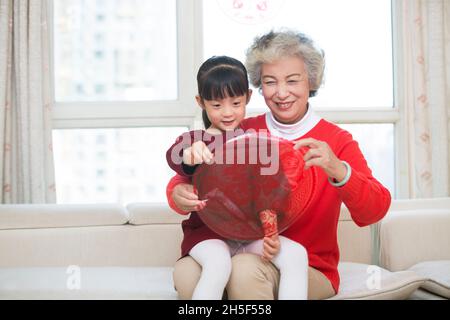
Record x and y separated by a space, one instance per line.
286 43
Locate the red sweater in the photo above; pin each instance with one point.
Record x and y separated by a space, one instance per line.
366 198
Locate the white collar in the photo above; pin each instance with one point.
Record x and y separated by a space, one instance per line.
293 131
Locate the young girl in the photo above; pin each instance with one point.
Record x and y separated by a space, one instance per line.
223 93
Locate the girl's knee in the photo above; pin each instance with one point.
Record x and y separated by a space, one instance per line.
211 252
219 265
292 247
291 254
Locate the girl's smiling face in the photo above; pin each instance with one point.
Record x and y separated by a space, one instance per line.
227 113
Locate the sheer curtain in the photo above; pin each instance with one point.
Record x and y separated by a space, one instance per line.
423 41
26 159
426 61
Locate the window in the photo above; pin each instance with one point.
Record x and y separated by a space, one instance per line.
93 42
113 165
124 82
117 73
356 36
377 144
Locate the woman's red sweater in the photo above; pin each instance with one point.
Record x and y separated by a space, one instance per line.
366 198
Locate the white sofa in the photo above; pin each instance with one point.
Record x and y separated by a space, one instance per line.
114 252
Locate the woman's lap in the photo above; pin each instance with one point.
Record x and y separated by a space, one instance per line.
251 279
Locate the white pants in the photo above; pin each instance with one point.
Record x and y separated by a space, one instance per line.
215 258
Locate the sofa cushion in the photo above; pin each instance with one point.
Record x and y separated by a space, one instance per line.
368 282
421 294
111 283
91 283
438 275
26 216
98 246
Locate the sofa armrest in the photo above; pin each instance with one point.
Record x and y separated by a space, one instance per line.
408 237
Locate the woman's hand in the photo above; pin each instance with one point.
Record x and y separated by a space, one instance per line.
271 247
321 155
197 154
185 198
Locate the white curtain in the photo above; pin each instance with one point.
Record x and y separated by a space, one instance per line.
425 46
425 43
26 157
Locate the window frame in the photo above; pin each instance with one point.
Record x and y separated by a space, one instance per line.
139 113
184 112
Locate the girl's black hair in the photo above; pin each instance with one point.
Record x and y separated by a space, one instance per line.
220 77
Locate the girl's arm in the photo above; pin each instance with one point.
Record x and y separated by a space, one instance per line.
181 195
174 154
187 152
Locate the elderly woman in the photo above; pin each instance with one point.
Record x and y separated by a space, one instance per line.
288 69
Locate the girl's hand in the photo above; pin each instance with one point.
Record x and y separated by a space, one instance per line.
197 154
186 199
271 247
321 155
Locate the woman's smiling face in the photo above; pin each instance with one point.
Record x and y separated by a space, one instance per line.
285 88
